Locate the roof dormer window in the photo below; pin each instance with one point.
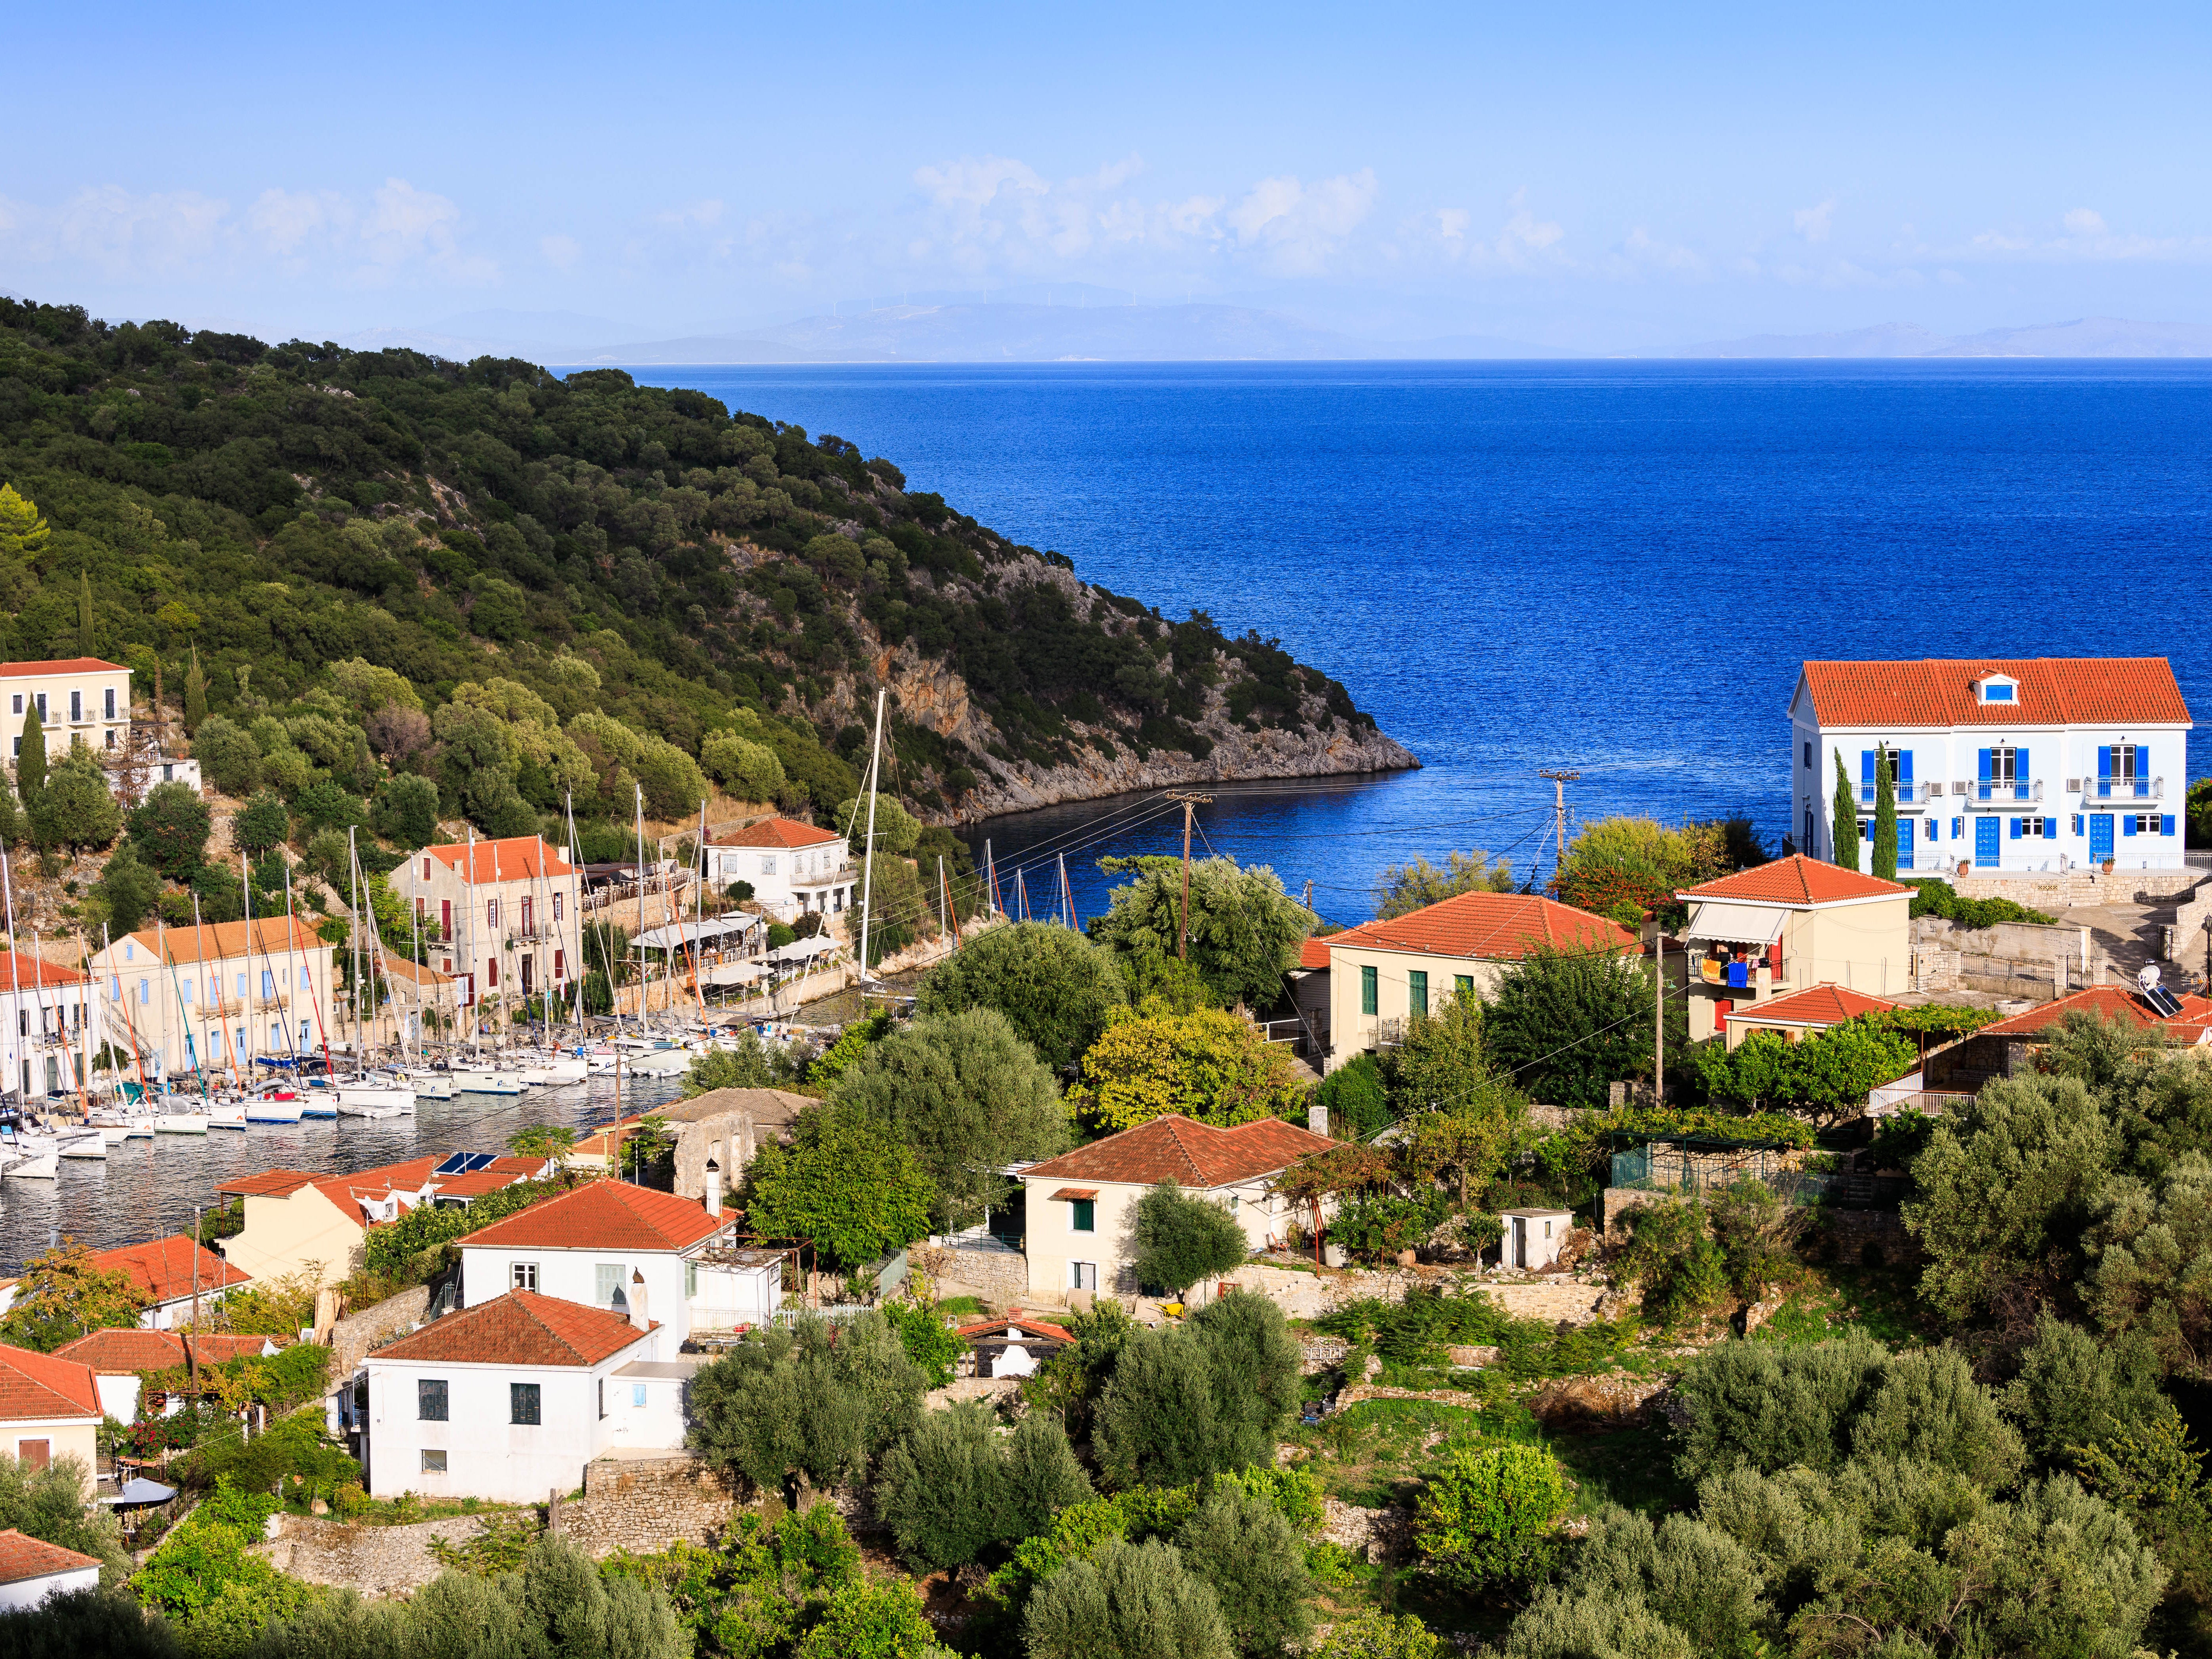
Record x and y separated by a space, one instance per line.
1997 689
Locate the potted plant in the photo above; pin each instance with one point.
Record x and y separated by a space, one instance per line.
2108 864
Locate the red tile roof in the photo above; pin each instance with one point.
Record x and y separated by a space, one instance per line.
27 970
349 1191
517 857
2111 1002
44 1385
603 1215
22 1558
129 1352
1313 953
519 1329
165 1268
1817 1005
1489 926
1796 880
217 940
269 1183
1186 1151
1013 1325
776 832
16 671
1942 692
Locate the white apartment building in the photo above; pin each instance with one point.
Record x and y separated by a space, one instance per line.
80 697
792 867
504 915
2002 766
221 996
44 1026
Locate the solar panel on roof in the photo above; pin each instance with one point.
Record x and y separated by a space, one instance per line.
2165 1003
453 1165
481 1161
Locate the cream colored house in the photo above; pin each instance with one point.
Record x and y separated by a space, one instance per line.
79 699
504 915
1081 1204
1788 927
49 1409
297 1221
222 995
1383 973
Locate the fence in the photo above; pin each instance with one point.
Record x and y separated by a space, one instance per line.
1694 1174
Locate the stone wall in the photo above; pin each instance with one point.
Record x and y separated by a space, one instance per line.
2011 959
1000 1276
1871 1238
355 1336
375 1560
2061 890
645 1504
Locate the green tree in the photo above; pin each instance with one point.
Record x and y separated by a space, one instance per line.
195 709
22 532
1843 819
170 828
1245 931
747 1065
899 911
1441 1061
1199 1399
87 635
1885 817
1358 1103
128 890
1242 1547
1181 1240
1827 1077
747 770
1404 888
50 1503
955 1487
867 1619
31 755
2150 1251
1379 1636
967 1095
1210 1065
1490 1516
1565 1024
405 811
807 1400
1057 988
75 1623
261 823
1126 1601
896 828
76 809
844 1184
229 758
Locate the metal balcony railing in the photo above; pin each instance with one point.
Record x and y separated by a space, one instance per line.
1908 794
2123 788
2012 789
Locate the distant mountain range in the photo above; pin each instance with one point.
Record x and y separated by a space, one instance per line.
2085 336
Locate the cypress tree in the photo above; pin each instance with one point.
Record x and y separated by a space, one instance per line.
31 760
1843 820
1885 818
195 695
84 630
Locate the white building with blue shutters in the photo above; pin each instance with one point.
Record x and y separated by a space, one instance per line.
2002 767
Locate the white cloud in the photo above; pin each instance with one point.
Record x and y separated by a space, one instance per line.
2083 238
283 220
560 252
118 232
2085 221
1811 224
1523 242
1302 225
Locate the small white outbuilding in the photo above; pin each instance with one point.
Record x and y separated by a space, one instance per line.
1530 1239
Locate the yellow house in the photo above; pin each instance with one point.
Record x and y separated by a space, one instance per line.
1788 927
221 996
297 1221
49 1409
79 699
1383 973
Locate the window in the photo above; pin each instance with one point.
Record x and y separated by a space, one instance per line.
556 907
268 984
522 1276
18 706
691 1280
491 973
560 966
527 907
77 706
42 708
145 992
1462 985
1417 991
1085 1273
188 987
2144 824
610 1294
433 1462
35 1455
111 743
241 987
430 1400
306 980
491 915
767 866
303 1033
1083 1215
1997 691
1369 990
1957 829
603 1396
1808 754
522 1403
637 1396
426 869
111 702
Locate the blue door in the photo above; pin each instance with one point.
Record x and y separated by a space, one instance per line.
2100 836
1987 829
1905 843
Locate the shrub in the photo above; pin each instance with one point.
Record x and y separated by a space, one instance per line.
405 811
1126 1601
930 1343
229 758
1204 1399
1242 1548
170 828
805 1399
1938 898
1353 1093
1182 1241
1057 988
1489 1517
940 1489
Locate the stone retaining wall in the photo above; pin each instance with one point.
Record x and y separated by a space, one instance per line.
999 1278
645 1504
354 1337
2060 891
375 1560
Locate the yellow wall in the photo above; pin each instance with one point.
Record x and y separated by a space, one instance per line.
288 1234
68 1437
1351 1032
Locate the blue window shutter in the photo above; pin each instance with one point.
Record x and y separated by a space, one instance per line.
1985 766
2104 760
2077 824
2021 771
2014 831
2127 823
2165 824
1866 766
1904 766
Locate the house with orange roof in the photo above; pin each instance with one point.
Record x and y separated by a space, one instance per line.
79 699
222 995
505 915
1383 973
2002 765
43 1006
31 1570
1079 1205
2011 1046
1801 1014
299 1221
1787 927
508 1400
122 1360
172 1273
792 868
49 1409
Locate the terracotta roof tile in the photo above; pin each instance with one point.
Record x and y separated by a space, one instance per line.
1942 692
603 1215
1489 926
517 857
22 1557
1796 880
519 1329
16 671
1313 953
777 832
44 1385
1186 1151
348 1192
165 1268
2114 1003
132 1352
28 970
1817 1005
215 941
269 1183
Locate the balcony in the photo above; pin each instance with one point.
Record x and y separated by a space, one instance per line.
2123 788
1762 975
2006 790
1908 794
841 876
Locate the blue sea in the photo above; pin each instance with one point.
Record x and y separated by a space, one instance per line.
1612 568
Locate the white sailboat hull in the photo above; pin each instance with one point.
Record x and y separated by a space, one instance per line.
274 1111
84 1145
484 1081
181 1123
42 1168
355 1102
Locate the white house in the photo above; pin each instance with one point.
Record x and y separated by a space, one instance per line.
791 867
635 1251
122 1360
31 1570
78 697
2044 763
1080 1205
43 1025
506 1401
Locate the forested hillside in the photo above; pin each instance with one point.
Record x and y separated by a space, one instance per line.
584 546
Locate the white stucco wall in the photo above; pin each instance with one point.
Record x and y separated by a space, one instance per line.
1054 1247
488 1273
29 1592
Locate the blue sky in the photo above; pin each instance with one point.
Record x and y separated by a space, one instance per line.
1595 176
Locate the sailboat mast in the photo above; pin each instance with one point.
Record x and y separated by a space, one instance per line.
868 845
14 976
640 909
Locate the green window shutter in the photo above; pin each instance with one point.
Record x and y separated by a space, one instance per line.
1463 985
1368 1002
1086 1217
1417 991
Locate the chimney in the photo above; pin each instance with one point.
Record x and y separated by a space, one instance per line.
1317 1118
714 1185
637 1315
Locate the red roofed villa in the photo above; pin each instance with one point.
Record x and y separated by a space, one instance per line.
49 1409
297 1221
121 1360
1078 1203
791 867
505 915
1382 972
31 1570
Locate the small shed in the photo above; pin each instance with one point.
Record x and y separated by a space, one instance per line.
1014 1346
1531 1238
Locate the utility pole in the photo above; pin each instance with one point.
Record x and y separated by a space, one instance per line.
1559 782
1659 1013
1189 801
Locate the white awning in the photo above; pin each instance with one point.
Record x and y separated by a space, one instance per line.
683 935
734 973
1735 924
